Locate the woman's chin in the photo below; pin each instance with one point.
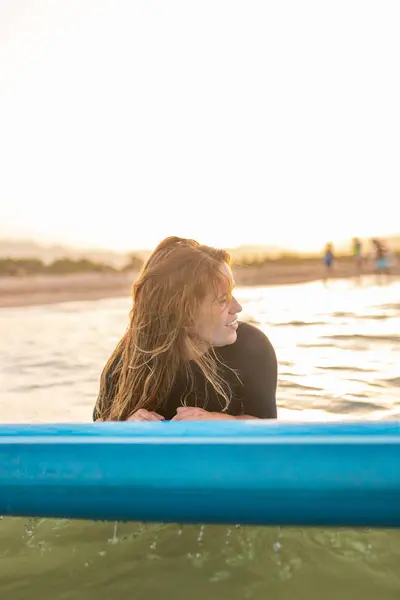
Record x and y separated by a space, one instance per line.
230 338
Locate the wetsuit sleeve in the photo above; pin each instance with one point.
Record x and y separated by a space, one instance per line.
260 373
105 397
98 406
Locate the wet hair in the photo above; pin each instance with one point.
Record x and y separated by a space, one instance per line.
160 340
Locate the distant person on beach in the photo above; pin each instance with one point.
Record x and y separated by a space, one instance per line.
329 258
357 253
381 257
185 356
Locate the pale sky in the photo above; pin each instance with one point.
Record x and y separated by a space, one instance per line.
270 122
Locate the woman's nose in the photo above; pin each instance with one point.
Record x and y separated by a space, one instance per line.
235 306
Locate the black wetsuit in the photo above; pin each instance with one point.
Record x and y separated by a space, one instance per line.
253 358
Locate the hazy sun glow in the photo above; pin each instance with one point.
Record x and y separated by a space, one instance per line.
230 122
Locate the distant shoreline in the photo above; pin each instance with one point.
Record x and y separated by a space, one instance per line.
51 289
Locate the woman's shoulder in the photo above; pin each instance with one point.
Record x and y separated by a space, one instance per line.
249 335
251 343
254 354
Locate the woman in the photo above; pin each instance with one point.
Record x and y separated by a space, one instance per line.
185 356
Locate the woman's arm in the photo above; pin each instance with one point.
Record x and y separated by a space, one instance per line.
106 397
106 393
98 408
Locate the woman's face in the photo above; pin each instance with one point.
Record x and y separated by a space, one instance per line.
216 322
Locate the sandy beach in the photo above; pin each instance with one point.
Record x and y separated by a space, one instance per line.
49 289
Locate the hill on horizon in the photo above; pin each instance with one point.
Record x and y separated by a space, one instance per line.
18 249
26 248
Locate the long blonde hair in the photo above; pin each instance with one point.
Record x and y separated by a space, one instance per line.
166 299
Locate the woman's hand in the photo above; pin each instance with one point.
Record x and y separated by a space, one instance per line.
192 413
145 415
